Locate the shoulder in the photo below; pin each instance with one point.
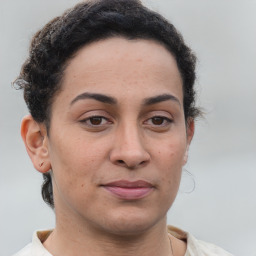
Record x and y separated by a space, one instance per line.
26 251
197 247
36 248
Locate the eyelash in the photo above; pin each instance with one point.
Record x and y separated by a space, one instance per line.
165 121
85 121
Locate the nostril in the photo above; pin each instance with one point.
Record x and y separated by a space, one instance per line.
131 166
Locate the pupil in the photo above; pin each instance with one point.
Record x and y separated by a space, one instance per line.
95 120
157 120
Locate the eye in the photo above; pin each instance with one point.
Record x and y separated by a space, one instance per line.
159 121
95 121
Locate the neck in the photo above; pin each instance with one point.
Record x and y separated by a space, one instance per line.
83 240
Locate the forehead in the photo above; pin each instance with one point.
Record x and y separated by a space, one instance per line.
119 65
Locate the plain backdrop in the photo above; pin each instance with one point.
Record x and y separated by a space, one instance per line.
222 160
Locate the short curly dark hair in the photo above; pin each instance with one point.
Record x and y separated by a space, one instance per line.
89 21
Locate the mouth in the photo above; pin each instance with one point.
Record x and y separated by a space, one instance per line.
129 190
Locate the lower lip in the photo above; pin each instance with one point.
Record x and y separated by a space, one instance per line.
129 193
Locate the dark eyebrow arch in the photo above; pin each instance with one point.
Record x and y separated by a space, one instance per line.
160 98
95 96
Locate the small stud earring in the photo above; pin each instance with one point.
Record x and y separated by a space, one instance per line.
40 165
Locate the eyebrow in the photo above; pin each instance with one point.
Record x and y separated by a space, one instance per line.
160 98
95 96
110 100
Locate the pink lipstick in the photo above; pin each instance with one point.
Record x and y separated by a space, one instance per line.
129 190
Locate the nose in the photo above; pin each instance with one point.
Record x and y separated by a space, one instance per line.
128 150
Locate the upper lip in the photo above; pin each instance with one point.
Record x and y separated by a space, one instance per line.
129 184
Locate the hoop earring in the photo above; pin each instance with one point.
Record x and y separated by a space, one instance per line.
187 184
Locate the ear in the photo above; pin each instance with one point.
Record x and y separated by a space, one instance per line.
190 133
35 139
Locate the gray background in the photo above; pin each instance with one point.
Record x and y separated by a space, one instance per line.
222 208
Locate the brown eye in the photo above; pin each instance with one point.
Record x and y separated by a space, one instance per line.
158 120
96 120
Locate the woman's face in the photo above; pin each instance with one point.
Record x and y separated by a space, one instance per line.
118 138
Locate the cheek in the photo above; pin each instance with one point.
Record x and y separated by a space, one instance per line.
77 152
75 168
172 154
75 164
170 160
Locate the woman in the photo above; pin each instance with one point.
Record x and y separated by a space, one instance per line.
109 86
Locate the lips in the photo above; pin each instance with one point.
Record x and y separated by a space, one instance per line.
129 190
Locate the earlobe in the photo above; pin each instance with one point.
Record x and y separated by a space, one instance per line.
185 158
190 130
190 133
35 139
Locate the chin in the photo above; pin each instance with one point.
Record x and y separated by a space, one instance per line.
132 222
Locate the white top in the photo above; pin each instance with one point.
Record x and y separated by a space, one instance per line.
194 247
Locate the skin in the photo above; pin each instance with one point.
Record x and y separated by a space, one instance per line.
91 143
